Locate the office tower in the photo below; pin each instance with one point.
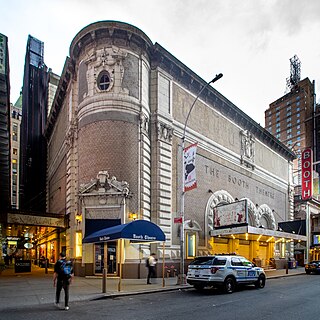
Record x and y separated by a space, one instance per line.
4 128
290 118
33 143
16 116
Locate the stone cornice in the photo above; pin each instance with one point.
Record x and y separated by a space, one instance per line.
59 96
128 35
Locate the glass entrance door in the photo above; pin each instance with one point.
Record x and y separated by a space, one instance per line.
112 258
98 258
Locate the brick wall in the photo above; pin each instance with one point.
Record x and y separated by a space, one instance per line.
112 146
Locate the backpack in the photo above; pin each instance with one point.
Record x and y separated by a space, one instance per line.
66 268
147 262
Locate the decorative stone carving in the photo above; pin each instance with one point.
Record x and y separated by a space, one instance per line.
103 184
71 134
165 132
264 212
247 149
144 123
110 61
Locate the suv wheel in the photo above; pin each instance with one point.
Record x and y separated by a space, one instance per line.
199 286
260 283
229 285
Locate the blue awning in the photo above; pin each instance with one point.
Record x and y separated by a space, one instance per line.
138 230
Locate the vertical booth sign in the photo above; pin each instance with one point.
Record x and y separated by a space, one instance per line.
306 171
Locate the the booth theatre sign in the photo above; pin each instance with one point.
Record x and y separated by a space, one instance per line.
238 181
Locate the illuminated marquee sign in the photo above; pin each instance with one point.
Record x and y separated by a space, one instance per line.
306 172
231 214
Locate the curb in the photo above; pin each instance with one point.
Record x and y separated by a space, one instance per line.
132 293
285 275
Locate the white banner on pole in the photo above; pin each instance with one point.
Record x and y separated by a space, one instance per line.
189 162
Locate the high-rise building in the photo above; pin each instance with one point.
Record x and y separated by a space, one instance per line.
16 115
33 143
293 119
4 127
53 85
290 118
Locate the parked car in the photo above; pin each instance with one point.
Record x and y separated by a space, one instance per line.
313 266
226 271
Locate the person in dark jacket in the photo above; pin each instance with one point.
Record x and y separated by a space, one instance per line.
62 278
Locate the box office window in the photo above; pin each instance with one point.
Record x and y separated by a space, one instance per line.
78 244
191 245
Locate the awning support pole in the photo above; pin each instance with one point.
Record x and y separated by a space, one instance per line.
104 281
120 267
163 264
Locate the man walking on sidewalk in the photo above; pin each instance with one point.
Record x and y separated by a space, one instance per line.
62 278
151 264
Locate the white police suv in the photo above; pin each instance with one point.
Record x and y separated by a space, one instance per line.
224 270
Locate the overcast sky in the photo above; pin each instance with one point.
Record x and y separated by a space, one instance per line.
249 41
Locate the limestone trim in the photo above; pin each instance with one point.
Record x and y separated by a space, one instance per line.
164 131
108 61
247 149
144 123
104 184
253 217
219 197
255 214
265 212
224 153
192 225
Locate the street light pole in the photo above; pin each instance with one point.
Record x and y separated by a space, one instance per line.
182 236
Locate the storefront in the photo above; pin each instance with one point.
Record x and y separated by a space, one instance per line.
109 239
267 248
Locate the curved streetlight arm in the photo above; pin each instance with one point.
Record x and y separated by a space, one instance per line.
216 78
182 275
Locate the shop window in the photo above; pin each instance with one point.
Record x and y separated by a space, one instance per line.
14 132
78 244
191 245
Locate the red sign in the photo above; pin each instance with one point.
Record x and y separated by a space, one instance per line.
306 172
177 220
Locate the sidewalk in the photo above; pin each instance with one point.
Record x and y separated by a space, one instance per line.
28 289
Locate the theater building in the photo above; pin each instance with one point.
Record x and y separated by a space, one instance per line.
114 135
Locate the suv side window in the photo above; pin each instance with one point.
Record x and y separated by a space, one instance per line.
236 262
202 261
219 261
246 262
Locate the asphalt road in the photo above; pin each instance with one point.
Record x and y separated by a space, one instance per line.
289 298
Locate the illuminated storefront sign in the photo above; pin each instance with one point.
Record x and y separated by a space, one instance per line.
306 165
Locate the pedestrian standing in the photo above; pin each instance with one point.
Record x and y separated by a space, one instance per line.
151 265
62 278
